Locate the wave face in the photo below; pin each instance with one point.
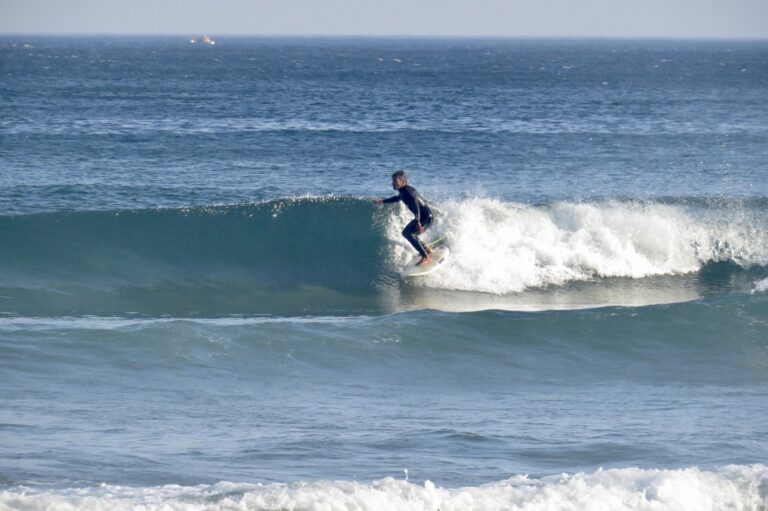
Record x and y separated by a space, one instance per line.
206 259
732 487
307 241
344 253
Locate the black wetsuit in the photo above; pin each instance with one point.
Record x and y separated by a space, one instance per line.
421 212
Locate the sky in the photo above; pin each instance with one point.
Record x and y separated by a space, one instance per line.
481 18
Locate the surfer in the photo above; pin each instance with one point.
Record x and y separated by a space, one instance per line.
420 210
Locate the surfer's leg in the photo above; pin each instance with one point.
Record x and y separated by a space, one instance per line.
411 233
426 225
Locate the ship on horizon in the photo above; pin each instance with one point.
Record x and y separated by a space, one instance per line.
204 39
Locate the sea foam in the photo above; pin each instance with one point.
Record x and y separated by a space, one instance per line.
760 286
732 487
501 247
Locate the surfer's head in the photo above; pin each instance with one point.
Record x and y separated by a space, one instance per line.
399 179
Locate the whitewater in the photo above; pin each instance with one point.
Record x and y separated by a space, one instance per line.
500 247
626 489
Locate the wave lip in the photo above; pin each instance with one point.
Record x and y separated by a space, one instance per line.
732 487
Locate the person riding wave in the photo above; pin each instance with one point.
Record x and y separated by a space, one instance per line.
418 206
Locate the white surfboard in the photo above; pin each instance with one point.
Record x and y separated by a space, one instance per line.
439 257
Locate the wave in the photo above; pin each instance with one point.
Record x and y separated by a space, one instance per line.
732 487
725 336
594 125
292 254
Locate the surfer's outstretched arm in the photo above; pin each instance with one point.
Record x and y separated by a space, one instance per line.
390 200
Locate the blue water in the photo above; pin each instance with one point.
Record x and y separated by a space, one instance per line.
200 304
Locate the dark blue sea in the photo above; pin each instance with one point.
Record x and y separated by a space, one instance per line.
201 306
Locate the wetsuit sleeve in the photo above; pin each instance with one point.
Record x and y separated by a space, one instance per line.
416 204
391 199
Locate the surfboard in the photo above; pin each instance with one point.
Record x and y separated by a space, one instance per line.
439 257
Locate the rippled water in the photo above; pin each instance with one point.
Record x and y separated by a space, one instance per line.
200 306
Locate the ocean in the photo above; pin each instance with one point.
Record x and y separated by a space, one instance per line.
201 307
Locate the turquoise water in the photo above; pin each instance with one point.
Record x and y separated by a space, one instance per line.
200 305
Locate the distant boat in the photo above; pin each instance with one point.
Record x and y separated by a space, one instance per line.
204 39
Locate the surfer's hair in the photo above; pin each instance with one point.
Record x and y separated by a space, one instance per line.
400 173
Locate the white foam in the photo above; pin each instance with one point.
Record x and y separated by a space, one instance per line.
732 487
500 247
760 286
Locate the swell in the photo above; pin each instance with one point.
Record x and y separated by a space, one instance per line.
340 255
715 341
594 124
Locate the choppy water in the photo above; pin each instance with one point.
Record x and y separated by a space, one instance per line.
200 306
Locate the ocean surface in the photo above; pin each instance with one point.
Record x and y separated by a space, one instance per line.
200 305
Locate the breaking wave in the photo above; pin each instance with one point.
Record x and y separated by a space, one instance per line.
344 248
732 487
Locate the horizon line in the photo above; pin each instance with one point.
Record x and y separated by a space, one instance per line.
388 36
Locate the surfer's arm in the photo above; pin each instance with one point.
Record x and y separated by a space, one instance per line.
415 197
392 199
418 214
